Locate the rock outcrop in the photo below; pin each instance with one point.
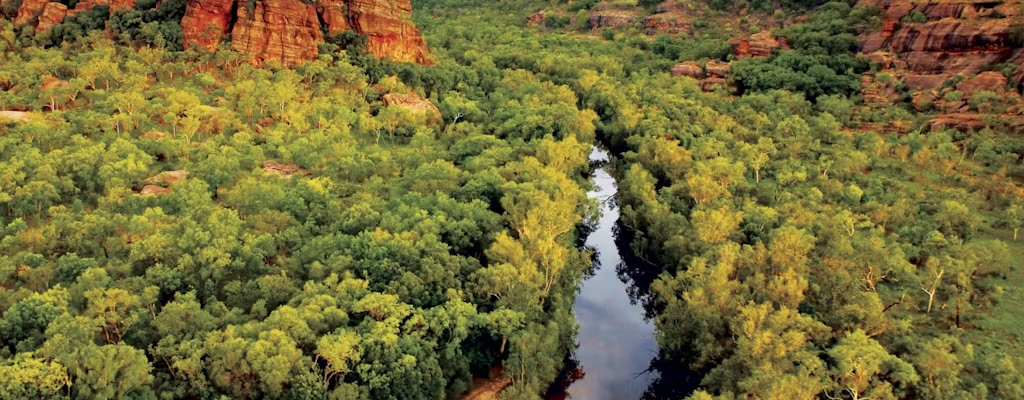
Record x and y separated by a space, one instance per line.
688 68
415 105
989 80
53 14
154 190
605 15
29 10
958 37
760 44
712 76
332 13
669 23
288 31
207 21
389 29
717 69
285 171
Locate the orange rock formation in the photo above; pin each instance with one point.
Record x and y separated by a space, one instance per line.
959 37
284 30
288 31
53 14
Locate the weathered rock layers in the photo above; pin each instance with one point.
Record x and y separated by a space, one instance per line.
957 37
287 31
284 30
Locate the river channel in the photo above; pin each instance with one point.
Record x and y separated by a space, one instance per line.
616 344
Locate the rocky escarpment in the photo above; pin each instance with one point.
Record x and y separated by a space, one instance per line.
943 38
711 76
760 44
286 31
606 15
45 13
671 17
289 31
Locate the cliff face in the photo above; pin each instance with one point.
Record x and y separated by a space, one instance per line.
29 10
53 14
284 30
207 21
390 30
288 31
760 44
957 37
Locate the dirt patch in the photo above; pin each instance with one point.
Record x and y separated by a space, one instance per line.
285 171
488 389
16 116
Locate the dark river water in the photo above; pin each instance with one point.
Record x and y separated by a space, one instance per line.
616 344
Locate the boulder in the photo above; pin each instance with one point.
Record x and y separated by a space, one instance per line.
961 122
52 82
29 10
53 14
415 104
167 177
688 68
717 69
924 82
154 190
536 18
988 80
285 171
923 101
760 44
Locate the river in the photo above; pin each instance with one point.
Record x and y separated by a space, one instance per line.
616 344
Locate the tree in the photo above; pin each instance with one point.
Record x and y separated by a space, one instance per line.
29 377
1015 218
865 369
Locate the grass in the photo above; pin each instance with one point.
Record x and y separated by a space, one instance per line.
1002 328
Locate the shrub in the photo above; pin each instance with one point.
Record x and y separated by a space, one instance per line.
916 17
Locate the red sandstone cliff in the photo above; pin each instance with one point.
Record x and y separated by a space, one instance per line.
53 14
288 31
959 37
207 21
389 27
284 30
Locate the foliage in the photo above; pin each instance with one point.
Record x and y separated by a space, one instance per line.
410 256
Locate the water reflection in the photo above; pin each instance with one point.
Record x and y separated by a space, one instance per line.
672 379
617 356
615 342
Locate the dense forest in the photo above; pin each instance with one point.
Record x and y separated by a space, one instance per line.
178 223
